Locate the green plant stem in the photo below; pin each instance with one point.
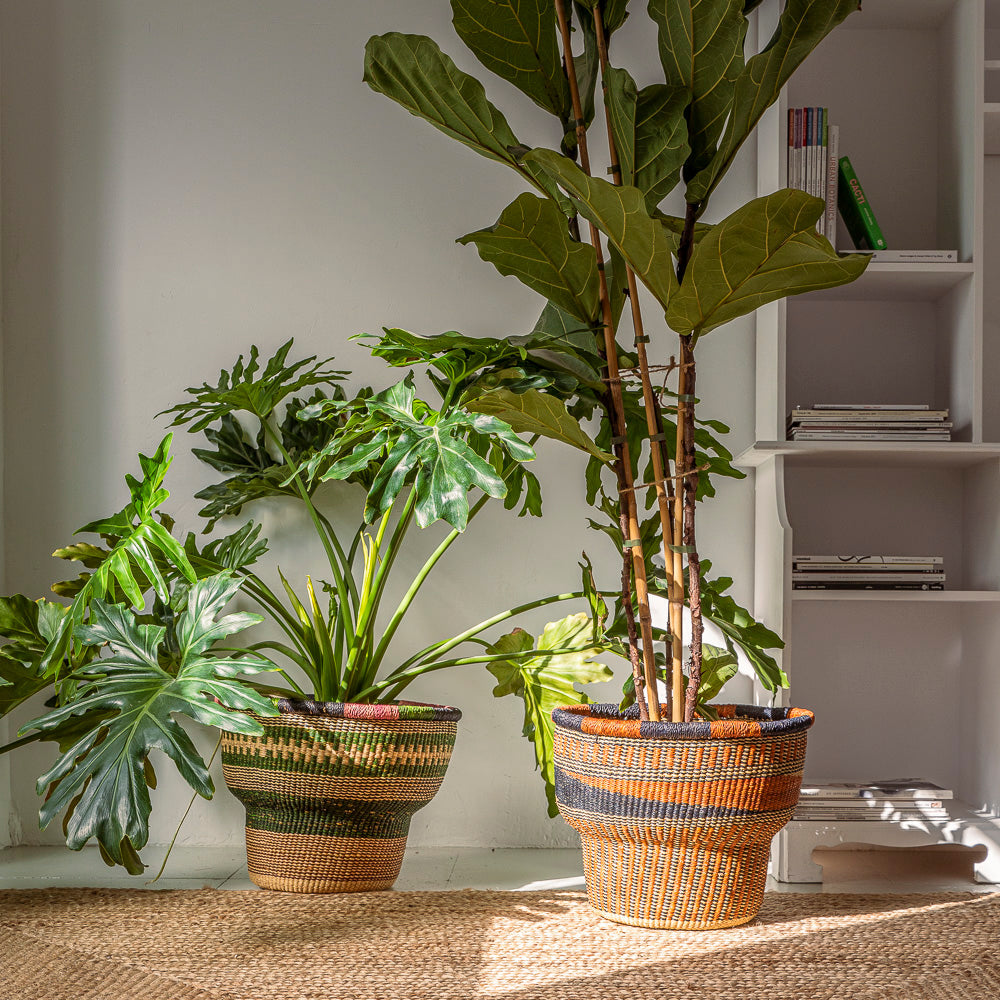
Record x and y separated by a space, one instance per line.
22 742
414 588
449 644
173 839
331 552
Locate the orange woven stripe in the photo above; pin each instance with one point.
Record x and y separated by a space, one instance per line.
730 728
628 728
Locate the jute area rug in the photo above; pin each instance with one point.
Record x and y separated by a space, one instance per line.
105 944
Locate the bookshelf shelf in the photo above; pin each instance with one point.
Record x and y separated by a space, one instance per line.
876 454
906 282
991 129
900 596
922 136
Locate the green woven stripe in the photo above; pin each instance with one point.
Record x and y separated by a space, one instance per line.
340 818
334 769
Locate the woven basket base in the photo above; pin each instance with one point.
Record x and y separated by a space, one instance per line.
679 886
290 862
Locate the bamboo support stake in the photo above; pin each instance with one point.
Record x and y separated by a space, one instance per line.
674 577
626 496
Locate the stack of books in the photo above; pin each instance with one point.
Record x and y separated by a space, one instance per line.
868 422
813 164
895 800
867 572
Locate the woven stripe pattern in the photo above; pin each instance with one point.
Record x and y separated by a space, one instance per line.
677 819
330 789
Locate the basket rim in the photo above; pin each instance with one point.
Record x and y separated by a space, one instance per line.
735 722
397 711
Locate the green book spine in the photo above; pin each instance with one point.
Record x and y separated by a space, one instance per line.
856 211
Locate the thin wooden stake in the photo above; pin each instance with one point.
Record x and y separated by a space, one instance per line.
674 577
616 412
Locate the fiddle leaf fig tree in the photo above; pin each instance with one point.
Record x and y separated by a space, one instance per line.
586 244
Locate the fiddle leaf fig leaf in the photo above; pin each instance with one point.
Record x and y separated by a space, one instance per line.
130 698
546 678
517 40
621 96
701 50
534 412
661 144
413 71
620 213
531 241
802 26
764 251
247 389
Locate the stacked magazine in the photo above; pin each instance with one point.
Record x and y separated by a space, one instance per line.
867 572
892 800
868 422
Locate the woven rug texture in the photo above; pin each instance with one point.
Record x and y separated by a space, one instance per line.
111 944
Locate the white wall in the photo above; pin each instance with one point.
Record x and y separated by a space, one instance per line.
183 178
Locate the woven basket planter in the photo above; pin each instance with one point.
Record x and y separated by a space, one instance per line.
329 790
676 819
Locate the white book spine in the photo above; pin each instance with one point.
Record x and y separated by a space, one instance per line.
833 155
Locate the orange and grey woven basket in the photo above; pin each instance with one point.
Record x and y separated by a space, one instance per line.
676 819
330 788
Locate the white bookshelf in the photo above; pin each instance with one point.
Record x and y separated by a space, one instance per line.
902 683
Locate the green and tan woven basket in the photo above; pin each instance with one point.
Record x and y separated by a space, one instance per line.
330 788
676 819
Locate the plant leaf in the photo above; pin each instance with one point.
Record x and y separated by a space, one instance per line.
533 412
516 39
531 241
661 143
131 697
565 658
763 251
701 50
413 71
242 389
621 94
620 213
802 26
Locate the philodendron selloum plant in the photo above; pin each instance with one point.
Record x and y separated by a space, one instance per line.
587 244
144 638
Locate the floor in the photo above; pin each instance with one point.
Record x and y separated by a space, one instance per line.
861 871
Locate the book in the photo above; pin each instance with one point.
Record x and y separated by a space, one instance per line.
832 159
911 256
862 407
856 210
867 560
867 576
857 804
910 788
923 416
873 816
862 585
800 435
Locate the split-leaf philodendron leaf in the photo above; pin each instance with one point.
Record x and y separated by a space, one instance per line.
139 688
620 213
517 40
531 241
548 680
764 251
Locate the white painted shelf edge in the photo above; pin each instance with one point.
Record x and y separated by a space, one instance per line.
966 827
882 453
